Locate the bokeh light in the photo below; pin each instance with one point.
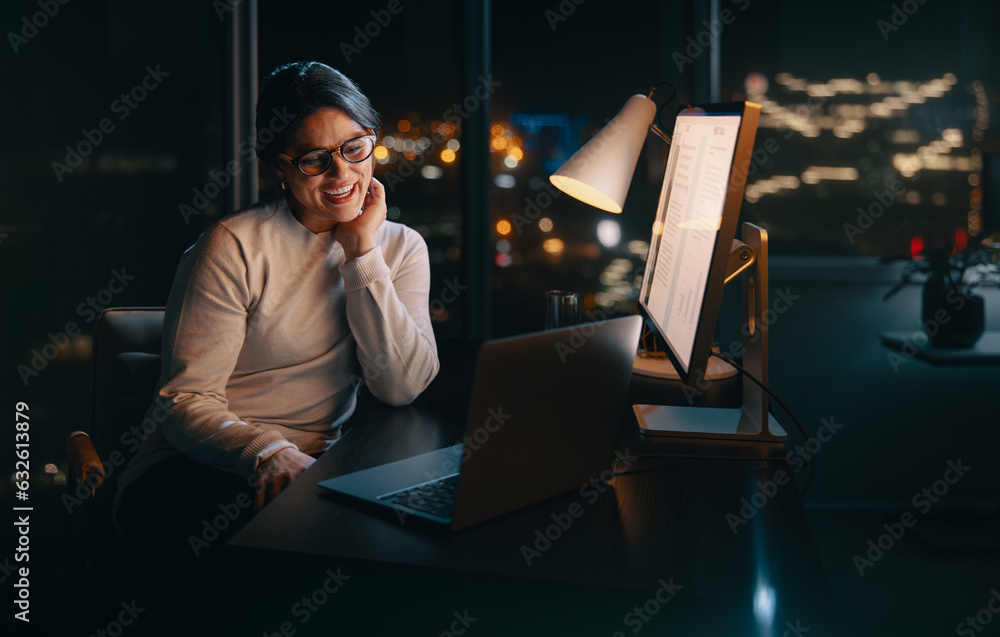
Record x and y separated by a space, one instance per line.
554 246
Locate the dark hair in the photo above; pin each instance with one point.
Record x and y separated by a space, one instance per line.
297 90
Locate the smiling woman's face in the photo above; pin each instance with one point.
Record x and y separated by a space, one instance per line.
321 202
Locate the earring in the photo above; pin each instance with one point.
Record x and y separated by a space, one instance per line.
284 185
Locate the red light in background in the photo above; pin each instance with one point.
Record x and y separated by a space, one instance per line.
961 239
916 246
502 259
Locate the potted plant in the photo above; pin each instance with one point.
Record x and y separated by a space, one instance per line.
952 315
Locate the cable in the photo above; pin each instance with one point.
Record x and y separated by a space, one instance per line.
812 456
659 111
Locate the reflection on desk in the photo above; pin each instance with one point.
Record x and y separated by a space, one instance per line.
918 344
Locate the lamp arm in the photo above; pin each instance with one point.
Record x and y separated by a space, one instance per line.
659 111
656 130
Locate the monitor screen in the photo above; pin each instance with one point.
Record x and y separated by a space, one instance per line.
695 225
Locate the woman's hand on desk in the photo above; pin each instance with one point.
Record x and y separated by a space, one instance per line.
277 472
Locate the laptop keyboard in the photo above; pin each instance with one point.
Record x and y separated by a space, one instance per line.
436 498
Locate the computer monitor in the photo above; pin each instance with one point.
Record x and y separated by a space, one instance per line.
690 260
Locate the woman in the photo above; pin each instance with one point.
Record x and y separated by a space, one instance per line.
279 310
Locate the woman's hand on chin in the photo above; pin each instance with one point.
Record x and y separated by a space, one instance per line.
357 237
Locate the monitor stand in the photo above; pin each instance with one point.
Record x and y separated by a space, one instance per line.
751 422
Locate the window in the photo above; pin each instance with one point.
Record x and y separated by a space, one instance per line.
111 129
875 118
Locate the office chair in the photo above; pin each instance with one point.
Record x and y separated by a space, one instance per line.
126 367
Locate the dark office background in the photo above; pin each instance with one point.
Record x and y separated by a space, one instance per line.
853 105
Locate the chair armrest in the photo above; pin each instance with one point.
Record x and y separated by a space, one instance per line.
84 460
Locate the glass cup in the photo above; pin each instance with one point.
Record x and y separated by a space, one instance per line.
562 309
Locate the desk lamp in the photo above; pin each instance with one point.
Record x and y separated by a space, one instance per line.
600 173
705 175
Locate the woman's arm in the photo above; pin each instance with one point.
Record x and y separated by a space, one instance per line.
389 316
204 330
387 307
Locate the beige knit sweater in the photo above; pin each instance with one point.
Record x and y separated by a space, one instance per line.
268 332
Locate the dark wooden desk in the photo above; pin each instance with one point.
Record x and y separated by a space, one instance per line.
662 521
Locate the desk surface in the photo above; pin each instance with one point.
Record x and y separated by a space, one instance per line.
708 523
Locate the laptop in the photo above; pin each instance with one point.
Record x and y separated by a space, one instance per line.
543 420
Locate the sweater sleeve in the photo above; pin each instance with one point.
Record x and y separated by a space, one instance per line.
389 316
205 325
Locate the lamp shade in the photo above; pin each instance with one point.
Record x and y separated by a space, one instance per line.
600 173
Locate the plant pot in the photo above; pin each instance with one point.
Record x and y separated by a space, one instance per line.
952 319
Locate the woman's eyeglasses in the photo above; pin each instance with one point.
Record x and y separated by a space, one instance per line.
316 162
